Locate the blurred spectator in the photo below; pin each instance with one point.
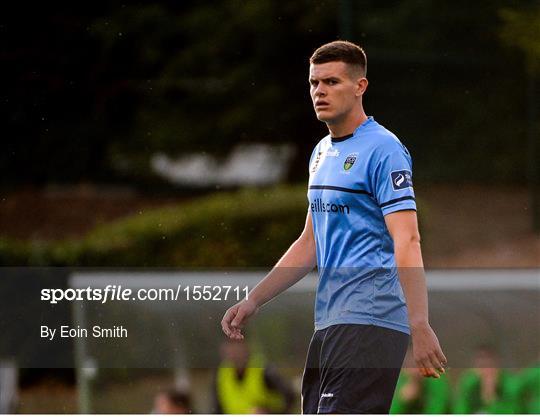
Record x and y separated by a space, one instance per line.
245 385
418 395
172 402
529 390
486 389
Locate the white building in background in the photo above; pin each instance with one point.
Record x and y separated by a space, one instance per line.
255 164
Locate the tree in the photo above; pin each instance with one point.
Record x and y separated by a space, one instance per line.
521 29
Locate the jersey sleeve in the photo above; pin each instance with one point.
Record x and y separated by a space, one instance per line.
393 185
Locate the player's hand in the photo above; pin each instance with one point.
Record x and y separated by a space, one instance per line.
427 352
236 317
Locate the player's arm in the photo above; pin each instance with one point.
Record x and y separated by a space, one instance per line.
403 227
299 259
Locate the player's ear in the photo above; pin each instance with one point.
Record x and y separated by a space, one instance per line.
361 86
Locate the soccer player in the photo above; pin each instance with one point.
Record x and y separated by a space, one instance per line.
361 231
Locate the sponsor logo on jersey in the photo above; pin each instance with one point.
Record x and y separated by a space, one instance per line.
320 206
401 179
349 161
332 152
327 395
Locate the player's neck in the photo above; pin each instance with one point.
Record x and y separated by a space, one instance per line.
348 125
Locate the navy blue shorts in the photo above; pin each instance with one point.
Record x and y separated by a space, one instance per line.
352 369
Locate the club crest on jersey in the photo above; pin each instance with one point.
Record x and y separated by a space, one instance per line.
349 161
401 179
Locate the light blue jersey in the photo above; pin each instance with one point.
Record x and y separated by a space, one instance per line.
353 184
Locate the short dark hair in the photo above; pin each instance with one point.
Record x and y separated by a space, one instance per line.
341 51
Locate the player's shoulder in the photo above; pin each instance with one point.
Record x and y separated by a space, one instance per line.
383 141
318 150
325 142
322 145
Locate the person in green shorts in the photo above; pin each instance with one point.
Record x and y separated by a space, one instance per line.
418 395
529 390
487 389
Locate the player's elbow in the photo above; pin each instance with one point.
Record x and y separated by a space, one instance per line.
415 238
407 239
306 245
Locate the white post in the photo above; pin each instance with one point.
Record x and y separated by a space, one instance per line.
8 386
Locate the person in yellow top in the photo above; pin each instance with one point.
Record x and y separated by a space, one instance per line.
245 385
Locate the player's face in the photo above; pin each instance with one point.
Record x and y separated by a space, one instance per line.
335 92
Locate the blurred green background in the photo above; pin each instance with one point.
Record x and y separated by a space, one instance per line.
93 92
97 87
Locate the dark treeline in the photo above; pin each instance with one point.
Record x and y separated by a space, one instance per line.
90 92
